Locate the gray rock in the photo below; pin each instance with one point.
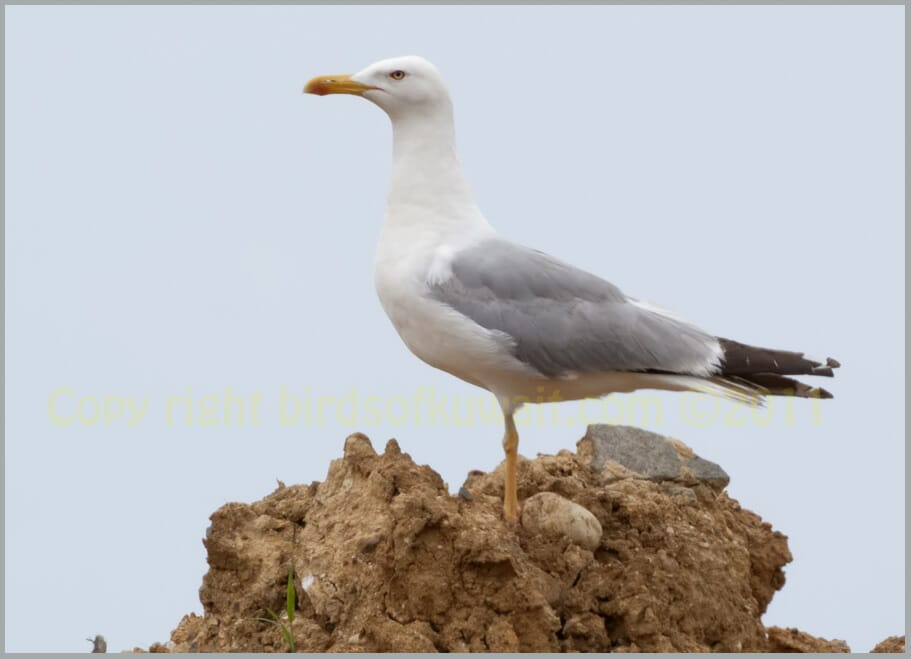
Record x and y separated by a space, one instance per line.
99 645
654 457
708 472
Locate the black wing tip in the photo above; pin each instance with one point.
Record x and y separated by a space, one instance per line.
826 370
745 360
819 392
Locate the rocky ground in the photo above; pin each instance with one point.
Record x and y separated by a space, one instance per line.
629 544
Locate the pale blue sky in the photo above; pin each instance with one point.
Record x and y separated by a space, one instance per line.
181 220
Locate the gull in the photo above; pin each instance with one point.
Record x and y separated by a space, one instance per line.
512 320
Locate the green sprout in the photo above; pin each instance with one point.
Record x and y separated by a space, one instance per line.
290 603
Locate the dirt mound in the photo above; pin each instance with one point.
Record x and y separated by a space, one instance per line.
794 640
605 559
891 644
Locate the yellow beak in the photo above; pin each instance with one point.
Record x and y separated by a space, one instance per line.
340 84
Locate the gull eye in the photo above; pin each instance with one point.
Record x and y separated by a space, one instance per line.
397 75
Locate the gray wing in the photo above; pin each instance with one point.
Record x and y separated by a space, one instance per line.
564 320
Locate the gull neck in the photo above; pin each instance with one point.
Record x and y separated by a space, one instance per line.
426 171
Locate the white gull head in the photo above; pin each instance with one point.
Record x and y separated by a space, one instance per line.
401 86
404 86
427 185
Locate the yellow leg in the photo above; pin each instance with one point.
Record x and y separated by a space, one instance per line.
510 493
